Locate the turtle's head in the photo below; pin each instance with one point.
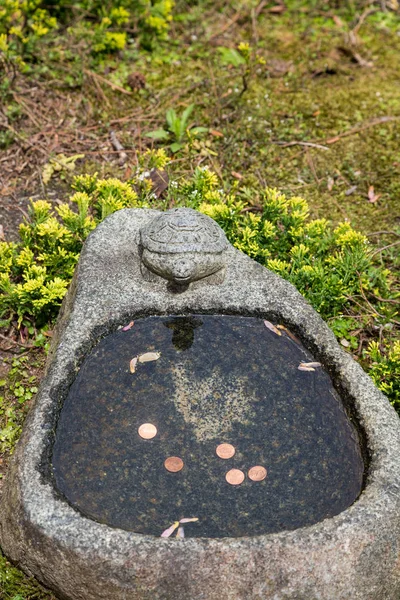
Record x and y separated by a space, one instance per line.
182 268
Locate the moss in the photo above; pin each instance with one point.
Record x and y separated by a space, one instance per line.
14 585
323 94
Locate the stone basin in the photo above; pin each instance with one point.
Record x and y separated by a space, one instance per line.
323 525
219 379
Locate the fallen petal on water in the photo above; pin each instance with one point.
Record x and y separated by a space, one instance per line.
129 326
180 533
192 520
132 364
168 532
310 364
149 356
272 327
302 368
289 333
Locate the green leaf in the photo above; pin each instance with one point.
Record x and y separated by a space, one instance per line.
186 114
176 146
198 130
230 56
183 122
158 134
175 124
171 118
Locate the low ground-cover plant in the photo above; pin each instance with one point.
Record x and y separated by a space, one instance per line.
34 274
330 266
106 26
15 393
333 267
384 368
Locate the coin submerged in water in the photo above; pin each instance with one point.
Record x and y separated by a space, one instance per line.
257 473
173 464
225 451
235 476
147 431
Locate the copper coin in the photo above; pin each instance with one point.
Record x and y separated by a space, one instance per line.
257 473
235 476
147 431
225 450
173 464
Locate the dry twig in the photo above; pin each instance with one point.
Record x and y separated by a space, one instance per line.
367 125
367 11
306 144
26 346
118 147
385 248
112 85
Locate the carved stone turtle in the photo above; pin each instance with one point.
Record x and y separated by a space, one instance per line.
183 245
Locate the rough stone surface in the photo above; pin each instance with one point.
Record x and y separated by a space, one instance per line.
352 555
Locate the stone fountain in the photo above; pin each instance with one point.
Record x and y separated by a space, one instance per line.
190 391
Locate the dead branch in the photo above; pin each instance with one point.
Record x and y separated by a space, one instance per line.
367 11
26 346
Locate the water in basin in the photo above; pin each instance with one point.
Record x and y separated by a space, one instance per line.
218 379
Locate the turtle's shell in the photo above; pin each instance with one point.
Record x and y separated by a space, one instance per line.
183 230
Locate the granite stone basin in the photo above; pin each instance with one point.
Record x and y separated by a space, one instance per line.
85 500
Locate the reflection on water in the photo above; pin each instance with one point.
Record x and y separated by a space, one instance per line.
218 379
183 331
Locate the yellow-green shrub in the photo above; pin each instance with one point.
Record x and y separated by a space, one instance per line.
35 273
332 267
103 24
383 363
328 265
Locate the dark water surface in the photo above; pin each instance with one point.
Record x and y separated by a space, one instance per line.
218 379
